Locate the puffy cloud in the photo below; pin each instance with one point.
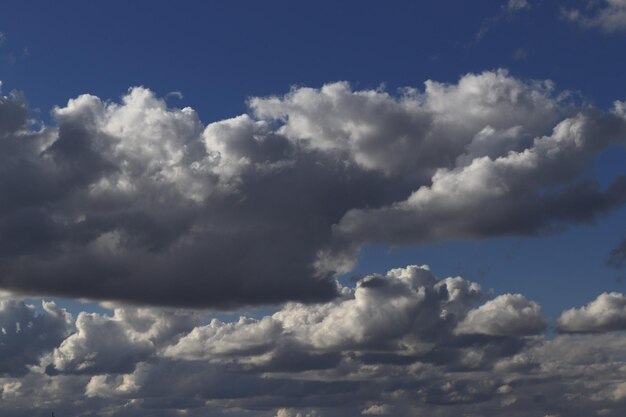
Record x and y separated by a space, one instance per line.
230 368
607 15
154 206
605 313
515 193
115 344
408 309
27 335
506 315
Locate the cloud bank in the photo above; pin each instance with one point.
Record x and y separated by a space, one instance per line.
403 343
137 201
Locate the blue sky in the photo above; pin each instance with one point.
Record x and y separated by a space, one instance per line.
218 54
235 156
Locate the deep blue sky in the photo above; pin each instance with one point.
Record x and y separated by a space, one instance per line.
222 52
218 53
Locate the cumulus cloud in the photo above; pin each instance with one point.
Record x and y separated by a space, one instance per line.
115 344
506 315
605 313
507 11
405 311
607 15
405 357
137 201
26 335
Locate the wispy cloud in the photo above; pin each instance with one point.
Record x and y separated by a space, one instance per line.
607 15
507 11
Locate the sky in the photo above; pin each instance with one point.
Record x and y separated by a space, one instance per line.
313 209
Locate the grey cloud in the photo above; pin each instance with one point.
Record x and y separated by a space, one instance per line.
26 335
507 11
408 307
155 207
271 366
605 313
617 256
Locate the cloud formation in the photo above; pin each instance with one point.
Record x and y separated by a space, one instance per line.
404 343
605 313
506 315
607 15
25 334
140 202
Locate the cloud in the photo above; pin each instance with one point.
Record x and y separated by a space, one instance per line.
26 335
617 256
137 201
387 313
507 11
377 410
405 357
605 313
506 315
115 344
607 15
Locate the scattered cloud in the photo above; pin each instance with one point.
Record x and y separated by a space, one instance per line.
605 313
25 334
389 346
507 11
175 94
606 15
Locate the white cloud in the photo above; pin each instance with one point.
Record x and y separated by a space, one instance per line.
605 313
506 315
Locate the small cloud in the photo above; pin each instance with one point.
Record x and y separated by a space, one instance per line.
3 38
520 54
506 12
376 410
606 15
515 5
176 94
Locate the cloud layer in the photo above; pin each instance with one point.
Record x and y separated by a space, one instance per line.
404 343
607 15
140 202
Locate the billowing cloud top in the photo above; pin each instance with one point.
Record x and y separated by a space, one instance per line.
140 202
605 313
